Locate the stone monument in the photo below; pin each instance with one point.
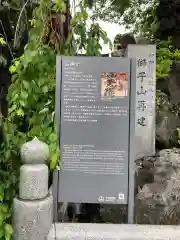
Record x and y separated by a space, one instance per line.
32 210
145 56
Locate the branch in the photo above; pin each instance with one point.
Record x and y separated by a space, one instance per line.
18 22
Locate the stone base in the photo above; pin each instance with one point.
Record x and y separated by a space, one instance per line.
52 234
115 232
32 220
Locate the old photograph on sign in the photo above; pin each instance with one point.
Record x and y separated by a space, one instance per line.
114 84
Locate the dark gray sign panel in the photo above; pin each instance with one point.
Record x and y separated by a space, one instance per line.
94 129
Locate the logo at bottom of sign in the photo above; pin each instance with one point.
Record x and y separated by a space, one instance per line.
112 199
121 196
107 199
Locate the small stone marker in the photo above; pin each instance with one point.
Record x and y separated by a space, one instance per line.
32 212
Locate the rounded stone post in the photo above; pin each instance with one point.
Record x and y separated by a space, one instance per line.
32 211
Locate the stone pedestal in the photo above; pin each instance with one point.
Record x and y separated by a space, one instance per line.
32 220
52 234
33 210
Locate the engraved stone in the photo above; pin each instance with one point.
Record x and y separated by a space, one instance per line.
33 181
32 220
145 98
34 152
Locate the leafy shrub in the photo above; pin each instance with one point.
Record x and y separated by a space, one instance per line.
166 54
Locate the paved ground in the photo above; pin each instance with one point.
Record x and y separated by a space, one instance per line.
68 231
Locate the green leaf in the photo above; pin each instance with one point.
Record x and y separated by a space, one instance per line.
1 232
1 220
22 103
15 97
3 208
44 110
8 153
2 42
13 108
26 84
53 116
49 102
13 68
7 236
20 112
54 160
59 5
8 229
47 131
53 137
24 94
1 193
45 89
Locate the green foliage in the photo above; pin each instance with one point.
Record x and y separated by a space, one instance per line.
166 54
31 96
6 229
3 61
178 132
158 99
110 11
137 15
87 38
2 41
140 17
